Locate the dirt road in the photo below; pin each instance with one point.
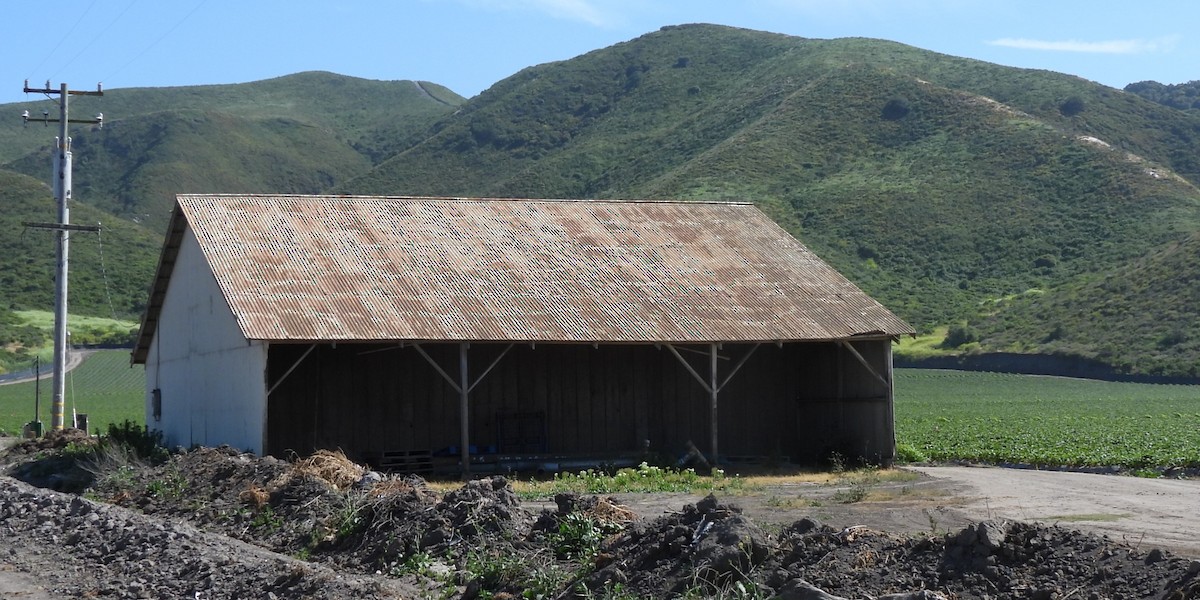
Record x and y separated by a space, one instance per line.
1162 513
1146 512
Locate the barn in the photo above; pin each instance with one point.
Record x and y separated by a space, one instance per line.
470 333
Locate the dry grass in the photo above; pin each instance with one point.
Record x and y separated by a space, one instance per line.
330 466
830 477
611 512
254 496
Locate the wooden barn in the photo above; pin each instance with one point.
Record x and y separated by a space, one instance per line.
493 333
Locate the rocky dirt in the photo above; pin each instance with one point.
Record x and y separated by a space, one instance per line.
217 523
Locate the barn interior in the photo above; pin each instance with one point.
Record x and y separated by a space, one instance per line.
549 407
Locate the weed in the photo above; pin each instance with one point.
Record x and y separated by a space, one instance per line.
170 487
933 523
266 518
851 495
644 478
907 453
143 442
350 520
578 536
417 563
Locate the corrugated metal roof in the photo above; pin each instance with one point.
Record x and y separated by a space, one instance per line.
308 268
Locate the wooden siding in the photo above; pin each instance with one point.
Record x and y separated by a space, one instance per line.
800 401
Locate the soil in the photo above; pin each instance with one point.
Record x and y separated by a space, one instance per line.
218 523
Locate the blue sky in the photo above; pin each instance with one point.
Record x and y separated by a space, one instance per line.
467 45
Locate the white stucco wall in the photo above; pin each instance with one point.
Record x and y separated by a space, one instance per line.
212 381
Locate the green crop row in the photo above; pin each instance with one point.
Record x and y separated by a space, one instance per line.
999 418
104 386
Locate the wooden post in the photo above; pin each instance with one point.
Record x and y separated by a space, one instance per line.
464 422
713 390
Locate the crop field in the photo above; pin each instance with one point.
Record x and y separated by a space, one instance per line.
1000 418
104 387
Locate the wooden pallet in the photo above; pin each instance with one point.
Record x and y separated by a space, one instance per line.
405 461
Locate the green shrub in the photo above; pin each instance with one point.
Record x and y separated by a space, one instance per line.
959 335
907 453
143 442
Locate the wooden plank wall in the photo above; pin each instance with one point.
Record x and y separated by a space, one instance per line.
798 401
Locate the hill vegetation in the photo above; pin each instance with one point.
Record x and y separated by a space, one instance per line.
1016 210
1184 96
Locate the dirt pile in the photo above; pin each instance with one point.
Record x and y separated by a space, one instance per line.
712 547
230 525
85 549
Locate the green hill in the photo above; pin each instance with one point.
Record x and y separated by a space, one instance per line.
1184 96
110 271
134 168
939 184
296 134
1148 305
368 114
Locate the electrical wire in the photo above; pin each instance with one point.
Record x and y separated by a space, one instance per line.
62 39
156 41
104 274
97 37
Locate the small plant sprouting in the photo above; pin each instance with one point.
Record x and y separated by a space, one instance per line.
266 518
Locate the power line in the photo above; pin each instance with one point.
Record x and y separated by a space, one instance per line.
97 37
61 40
156 41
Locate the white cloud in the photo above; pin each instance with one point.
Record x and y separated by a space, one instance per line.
1134 46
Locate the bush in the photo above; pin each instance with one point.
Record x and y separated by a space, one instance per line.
959 335
907 453
139 439
896 109
1071 106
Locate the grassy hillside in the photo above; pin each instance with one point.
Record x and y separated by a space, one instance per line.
939 184
27 256
109 272
353 109
1148 304
297 134
133 168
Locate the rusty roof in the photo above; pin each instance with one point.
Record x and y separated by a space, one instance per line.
344 268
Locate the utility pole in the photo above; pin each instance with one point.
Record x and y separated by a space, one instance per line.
62 194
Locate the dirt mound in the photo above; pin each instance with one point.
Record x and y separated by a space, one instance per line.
53 440
478 541
713 548
49 461
989 559
85 549
709 545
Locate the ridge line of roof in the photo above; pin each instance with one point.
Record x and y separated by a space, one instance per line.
479 199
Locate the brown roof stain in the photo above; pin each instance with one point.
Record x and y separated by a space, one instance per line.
344 268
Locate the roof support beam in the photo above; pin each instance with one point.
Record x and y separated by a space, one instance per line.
291 368
884 380
712 386
463 386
